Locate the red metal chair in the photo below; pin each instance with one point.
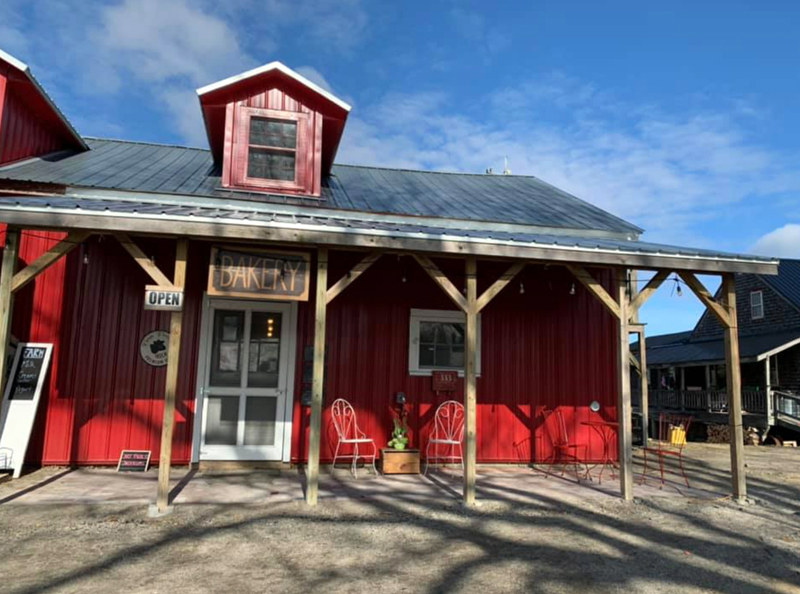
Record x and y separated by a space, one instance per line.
563 450
672 432
348 433
448 431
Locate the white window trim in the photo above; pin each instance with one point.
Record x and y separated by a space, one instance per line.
760 304
435 315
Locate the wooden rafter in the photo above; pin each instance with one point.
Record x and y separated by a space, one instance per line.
705 296
47 259
648 290
141 258
499 285
635 363
351 276
594 287
441 279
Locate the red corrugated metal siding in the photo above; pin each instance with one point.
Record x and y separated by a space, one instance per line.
23 134
101 397
543 348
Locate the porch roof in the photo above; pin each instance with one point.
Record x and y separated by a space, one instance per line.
683 351
265 223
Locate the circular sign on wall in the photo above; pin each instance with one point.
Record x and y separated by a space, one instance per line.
153 348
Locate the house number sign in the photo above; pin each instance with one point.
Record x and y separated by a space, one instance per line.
272 274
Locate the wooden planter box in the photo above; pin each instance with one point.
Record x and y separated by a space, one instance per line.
399 461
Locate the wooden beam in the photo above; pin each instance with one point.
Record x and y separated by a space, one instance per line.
470 383
647 291
595 288
635 362
644 387
705 296
441 279
499 285
146 263
47 259
10 253
171 388
203 230
351 276
624 416
734 390
318 378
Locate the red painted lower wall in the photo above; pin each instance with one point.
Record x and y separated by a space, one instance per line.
540 348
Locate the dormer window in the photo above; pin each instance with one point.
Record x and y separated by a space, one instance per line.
272 131
270 150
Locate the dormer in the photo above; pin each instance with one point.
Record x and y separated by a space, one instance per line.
272 130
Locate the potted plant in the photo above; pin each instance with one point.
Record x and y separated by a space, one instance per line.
399 439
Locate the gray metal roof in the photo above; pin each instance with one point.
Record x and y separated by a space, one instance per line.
244 213
677 352
787 281
141 167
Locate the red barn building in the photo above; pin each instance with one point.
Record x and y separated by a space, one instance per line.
302 281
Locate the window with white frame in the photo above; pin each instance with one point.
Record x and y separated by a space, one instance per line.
437 341
756 305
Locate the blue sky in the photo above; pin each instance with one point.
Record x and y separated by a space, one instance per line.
678 116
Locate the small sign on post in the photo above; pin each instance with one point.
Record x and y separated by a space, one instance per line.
163 298
134 461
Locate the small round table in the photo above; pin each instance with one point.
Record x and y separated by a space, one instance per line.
607 431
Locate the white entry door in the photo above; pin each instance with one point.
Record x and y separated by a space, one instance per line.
246 379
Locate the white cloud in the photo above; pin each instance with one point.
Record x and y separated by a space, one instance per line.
668 172
163 49
783 242
315 76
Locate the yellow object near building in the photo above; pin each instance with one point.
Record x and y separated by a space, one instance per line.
677 436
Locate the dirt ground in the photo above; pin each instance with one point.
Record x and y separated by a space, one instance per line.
535 543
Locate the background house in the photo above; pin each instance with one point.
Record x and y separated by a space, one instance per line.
687 369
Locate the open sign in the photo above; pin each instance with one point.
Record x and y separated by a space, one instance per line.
163 298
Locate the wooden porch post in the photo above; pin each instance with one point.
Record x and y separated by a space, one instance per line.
315 429
173 358
733 371
644 387
7 298
769 409
470 381
624 417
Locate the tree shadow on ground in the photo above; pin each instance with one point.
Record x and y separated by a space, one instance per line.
515 541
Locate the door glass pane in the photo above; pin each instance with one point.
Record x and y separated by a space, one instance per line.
227 348
265 350
223 420
259 420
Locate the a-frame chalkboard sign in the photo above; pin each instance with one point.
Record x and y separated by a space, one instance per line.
20 401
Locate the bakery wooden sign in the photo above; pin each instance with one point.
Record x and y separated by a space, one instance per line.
268 274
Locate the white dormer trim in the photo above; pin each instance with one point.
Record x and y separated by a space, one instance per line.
25 69
280 67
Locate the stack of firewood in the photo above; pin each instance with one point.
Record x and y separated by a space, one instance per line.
718 434
722 434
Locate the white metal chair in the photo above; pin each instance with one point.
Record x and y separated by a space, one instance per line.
448 431
348 433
